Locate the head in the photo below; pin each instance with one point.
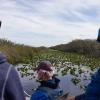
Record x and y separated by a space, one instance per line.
44 71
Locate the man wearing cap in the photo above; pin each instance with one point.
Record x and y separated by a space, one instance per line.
49 85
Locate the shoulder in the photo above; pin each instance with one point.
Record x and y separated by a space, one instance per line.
13 72
39 95
13 77
93 89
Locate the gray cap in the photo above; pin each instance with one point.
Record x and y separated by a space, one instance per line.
45 65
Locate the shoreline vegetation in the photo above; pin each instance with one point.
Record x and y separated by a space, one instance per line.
79 52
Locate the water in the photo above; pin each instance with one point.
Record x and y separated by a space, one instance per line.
29 83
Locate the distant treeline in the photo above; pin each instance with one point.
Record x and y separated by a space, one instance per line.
17 53
87 47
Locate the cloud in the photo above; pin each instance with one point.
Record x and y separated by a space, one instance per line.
49 22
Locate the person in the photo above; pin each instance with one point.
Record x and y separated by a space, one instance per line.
10 85
49 85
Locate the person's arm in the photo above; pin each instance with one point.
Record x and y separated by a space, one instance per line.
13 89
93 89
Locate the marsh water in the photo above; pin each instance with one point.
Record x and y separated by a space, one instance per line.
29 83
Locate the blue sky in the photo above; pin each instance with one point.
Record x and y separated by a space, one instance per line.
49 22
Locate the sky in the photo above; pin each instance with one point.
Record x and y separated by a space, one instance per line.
49 22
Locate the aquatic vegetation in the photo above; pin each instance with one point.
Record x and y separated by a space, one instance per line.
80 71
72 71
25 70
75 80
64 71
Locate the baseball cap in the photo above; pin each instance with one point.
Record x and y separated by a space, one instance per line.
44 65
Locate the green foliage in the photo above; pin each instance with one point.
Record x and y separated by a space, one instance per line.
64 72
80 71
17 53
75 80
24 71
72 71
87 47
82 87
